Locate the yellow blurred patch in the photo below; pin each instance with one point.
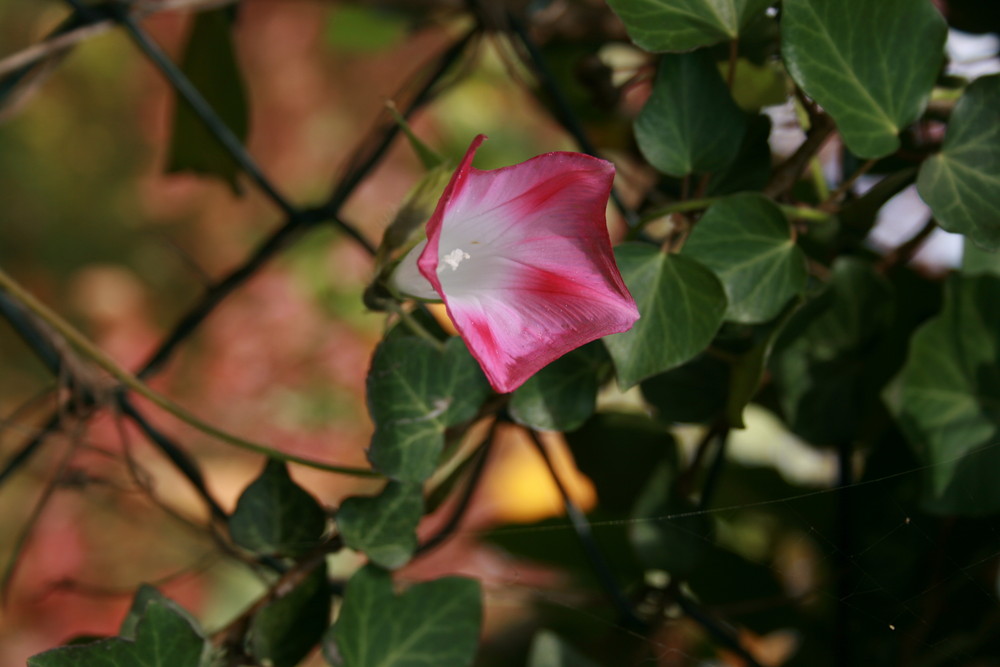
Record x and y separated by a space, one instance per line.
519 487
440 314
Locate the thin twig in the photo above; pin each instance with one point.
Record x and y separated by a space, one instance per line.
55 355
52 46
36 512
688 205
905 252
27 329
144 481
181 460
586 536
722 633
686 480
44 347
787 173
711 481
97 356
363 160
27 451
13 420
465 500
834 197
59 42
235 631
734 55
413 324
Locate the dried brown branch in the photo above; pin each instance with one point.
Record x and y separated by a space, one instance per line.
58 44
788 172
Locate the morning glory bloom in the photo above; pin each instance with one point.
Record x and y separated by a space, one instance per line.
522 260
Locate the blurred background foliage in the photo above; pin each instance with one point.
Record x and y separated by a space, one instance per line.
95 225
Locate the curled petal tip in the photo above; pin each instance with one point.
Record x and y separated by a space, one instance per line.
522 260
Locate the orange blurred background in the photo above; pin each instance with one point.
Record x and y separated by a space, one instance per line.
94 227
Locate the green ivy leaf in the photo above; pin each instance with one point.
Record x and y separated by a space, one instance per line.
163 638
949 398
553 542
274 515
757 86
751 169
549 650
284 631
415 392
961 184
976 260
690 123
209 61
747 241
825 354
432 624
871 65
144 595
693 393
681 304
383 526
666 532
561 396
620 472
747 369
683 25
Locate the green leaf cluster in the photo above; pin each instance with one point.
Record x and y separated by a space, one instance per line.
759 294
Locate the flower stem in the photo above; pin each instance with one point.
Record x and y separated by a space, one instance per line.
792 212
416 327
96 355
805 213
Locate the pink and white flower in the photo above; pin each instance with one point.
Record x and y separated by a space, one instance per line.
522 260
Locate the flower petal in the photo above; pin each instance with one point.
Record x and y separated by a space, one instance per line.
522 259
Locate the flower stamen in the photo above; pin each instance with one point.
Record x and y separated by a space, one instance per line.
454 258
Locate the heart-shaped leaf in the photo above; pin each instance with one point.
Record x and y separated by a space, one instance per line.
747 369
683 25
433 624
692 393
415 392
976 260
383 526
163 638
949 398
682 304
611 447
961 184
824 356
274 515
871 65
562 395
676 544
690 122
747 241
750 170
210 63
144 595
284 631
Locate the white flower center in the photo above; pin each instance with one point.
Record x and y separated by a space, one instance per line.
454 258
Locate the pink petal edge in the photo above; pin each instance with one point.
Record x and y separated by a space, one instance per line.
565 290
